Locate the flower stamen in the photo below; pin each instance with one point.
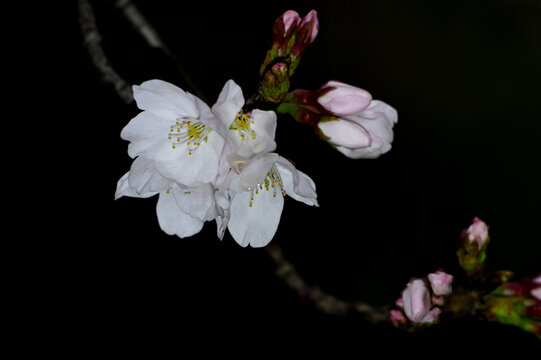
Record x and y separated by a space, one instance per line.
242 124
273 181
189 131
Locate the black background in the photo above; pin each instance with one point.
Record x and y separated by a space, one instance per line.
465 78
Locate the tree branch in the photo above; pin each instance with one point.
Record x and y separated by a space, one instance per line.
324 302
92 42
151 36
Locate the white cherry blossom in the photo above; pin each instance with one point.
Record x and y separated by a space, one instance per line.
176 131
250 133
180 211
256 189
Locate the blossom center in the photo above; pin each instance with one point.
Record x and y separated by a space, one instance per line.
272 182
188 131
242 124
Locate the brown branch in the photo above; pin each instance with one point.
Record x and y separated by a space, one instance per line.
153 39
92 42
323 302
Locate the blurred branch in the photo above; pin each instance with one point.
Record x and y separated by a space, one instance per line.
151 36
92 42
323 302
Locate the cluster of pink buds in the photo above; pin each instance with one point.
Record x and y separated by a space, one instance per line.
517 303
291 36
421 300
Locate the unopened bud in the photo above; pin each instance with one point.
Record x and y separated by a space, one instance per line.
477 232
473 245
345 133
306 33
283 31
397 318
440 283
275 83
308 29
416 300
341 99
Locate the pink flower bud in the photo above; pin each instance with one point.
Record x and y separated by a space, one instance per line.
437 300
342 99
309 28
397 318
440 283
290 19
345 133
285 25
477 232
305 35
416 300
432 316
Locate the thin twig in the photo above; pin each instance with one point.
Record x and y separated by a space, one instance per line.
151 36
92 42
324 302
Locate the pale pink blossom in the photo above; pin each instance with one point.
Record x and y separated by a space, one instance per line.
440 283
416 300
477 232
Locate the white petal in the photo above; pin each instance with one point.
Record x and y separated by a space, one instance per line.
195 169
378 119
255 225
123 189
536 293
254 172
432 316
207 117
144 178
148 135
222 208
229 103
197 202
260 137
297 184
158 95
173 221
345 133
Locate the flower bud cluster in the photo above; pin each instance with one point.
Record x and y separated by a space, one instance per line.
421 300
291 36
517 303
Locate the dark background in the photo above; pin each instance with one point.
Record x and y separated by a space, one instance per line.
465 78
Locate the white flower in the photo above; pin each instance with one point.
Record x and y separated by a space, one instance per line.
250 133
176 132
256 190
366 134
180 211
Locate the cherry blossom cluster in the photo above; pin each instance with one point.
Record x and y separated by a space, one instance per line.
209 164
217 163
